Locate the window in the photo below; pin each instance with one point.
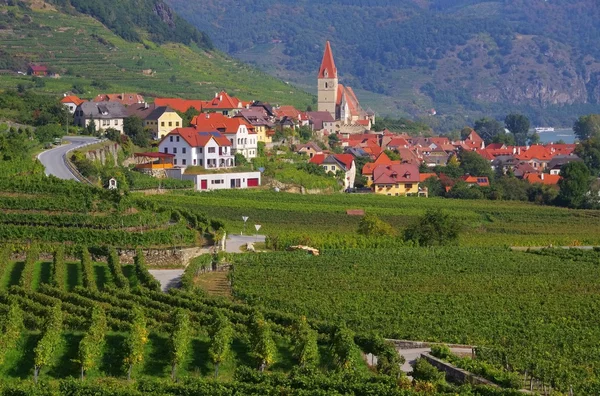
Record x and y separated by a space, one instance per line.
175 161
184 162
162 123
176 123
200 150
170 123
166 150
170 138
174 150
194 162
178 139
211 150
408 186
116 122
183 150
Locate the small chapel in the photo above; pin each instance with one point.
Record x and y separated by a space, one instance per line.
340 101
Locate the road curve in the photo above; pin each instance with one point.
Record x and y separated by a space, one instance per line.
53 159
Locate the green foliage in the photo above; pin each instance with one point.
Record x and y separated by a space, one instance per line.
92 343
488 128
261 340
12 327
58 273
574 185
393 155
141 270
87 270
221 335
587 126
116 269
35 109
441 351
518 125
179 339
306 351
240 159
589 151
136 338
424 371
474 164
399 125
47 133
344 348
26 280
133 127
372 226
435 228
45 348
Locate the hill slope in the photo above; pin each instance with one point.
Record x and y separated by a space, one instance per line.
93 58
461 56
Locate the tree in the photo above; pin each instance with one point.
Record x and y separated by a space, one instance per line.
240 159
221 335
372 226
587 127
518 125
305 133
465 132
305 348
574 185
180 339
47 133
393 155
113 134
589 151
487 128
135 341
434 186
533 138
474 164
333 140
433 229
45 348
91 127
133 126
58 273
504 138
92 343
263 346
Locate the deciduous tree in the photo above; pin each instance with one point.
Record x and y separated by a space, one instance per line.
587 126
434 228
574 185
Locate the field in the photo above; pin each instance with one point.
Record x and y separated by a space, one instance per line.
530 312
312 218
88 55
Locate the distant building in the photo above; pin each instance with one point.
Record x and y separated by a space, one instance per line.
37 70
104 115
126 99
333 163
240 133
71 102
159 119
396 180
193 147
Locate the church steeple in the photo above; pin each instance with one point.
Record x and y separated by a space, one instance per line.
327 84
327 69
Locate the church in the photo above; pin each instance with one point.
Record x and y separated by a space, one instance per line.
340 101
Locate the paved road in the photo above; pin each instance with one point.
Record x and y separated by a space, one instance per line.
235 242
167 278
53 159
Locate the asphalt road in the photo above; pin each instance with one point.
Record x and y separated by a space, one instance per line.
234 242
53 159
168 278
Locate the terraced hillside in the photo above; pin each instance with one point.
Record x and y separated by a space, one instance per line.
91 58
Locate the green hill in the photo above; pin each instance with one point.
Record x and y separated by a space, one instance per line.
173 60
463 57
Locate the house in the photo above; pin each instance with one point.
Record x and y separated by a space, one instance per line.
337 162
37 70
542 178
241 134
181 105
211 180
71 102
522 169
264 108
310 149
321 121
159 119
262 126
472 142
125 99
224 104
356 152
558 161
104 115
195 147
396 180
368 168
537 156
481 181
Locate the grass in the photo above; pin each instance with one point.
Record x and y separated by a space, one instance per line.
83 51
214 283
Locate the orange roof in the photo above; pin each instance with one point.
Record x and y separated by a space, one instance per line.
222 101
485 153
123 98
221 123
72 99
363 122
535 151
382 159
398 142
344 159
288 111
425 176
181 105
397 173
481 181
543 178
196 138
327 64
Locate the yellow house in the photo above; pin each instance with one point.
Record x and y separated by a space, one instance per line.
162 121
262 126
396 180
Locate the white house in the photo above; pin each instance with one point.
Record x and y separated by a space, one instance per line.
192 147
105 115
240 133
71 102
218 181
332 163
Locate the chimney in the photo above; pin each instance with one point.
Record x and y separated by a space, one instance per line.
216 94
145 105
514 150
542 176
221 97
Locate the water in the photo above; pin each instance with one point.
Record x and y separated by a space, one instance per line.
566 135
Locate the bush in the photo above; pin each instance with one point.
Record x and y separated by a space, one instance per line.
435 228
424 371
440 351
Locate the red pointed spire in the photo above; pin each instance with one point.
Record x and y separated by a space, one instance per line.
327 64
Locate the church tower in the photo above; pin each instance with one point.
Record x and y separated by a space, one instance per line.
328 83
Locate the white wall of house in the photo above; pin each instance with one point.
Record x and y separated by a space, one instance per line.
70 106
114 123
244 142
212 156
219 181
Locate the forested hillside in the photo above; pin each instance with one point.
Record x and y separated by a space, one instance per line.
463 56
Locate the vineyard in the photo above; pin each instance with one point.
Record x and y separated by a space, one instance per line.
321 220
534 313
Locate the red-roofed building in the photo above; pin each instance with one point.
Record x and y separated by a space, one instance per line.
37 70
537 156
368 168
481 181
224 104
473 141
396 180
178 104
71 102
197 147
397 143
240 133
126 99
543 178
425 176
337 162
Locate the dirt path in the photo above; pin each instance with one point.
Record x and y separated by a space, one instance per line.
214 283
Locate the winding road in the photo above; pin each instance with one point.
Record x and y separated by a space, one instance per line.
54 161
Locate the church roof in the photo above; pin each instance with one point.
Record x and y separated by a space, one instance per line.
327 64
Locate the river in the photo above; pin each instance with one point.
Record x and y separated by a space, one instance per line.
566 135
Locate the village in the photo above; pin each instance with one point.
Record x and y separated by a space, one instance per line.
217 145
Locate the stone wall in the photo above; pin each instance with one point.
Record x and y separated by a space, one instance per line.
109 151
456 374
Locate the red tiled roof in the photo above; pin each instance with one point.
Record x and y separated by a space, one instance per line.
397 173
198 138
72 99
495 146
363 122
222 101
398 142
535 151
288 111
221 123
382 159
481 181
178 104
543 178
327 64
425 176
123 98
485 153
38 68
344 159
